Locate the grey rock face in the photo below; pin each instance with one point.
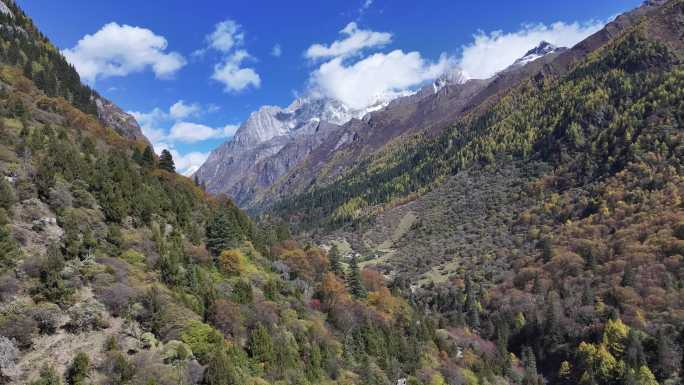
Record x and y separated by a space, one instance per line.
268 144
114 117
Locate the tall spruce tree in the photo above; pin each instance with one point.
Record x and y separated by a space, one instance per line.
334 257
354 281
147 157
166 161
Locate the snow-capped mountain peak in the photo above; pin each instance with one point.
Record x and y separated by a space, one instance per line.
542 49
451 76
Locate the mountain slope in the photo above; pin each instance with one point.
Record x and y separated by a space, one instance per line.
116 270
561 197
278 152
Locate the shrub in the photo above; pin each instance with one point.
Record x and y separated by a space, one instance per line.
46 316
48 376
133 257
201 338
77 373
117 297
242 292
119 370
231 262
85 317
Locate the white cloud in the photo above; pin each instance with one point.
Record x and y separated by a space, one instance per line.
233 76
227 34
181 110
227 38
119 50
355 41
359 84
276 51
493 52
186 164
188 132
181 131
149 122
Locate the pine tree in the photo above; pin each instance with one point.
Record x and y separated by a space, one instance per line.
334 257
222 233
354 281
166 161
147 157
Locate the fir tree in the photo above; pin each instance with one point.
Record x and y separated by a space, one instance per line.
147 157
335 265
354 281
222 233
166 161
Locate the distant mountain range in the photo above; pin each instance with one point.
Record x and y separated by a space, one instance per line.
278 150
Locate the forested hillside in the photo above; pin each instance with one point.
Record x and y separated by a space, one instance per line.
116 270
568 268
557 205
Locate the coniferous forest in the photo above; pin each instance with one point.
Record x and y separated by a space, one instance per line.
115 269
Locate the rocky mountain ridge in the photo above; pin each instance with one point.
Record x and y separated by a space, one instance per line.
278 151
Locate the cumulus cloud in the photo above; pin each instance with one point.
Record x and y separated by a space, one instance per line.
276 50
493 52
356 40
188 132
180 110
227 39
227 34
150 121
181 130
119 50
233 76
359 84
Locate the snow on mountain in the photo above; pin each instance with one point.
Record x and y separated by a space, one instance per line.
544 48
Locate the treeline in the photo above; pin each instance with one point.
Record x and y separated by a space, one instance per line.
23 46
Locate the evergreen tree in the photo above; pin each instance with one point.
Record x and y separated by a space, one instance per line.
628 276
9 252
222 232
7 197
261 345
354 281
335 265
166 161
634 351
472 305
219 368
147 157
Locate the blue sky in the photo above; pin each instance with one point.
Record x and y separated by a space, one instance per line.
217 61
